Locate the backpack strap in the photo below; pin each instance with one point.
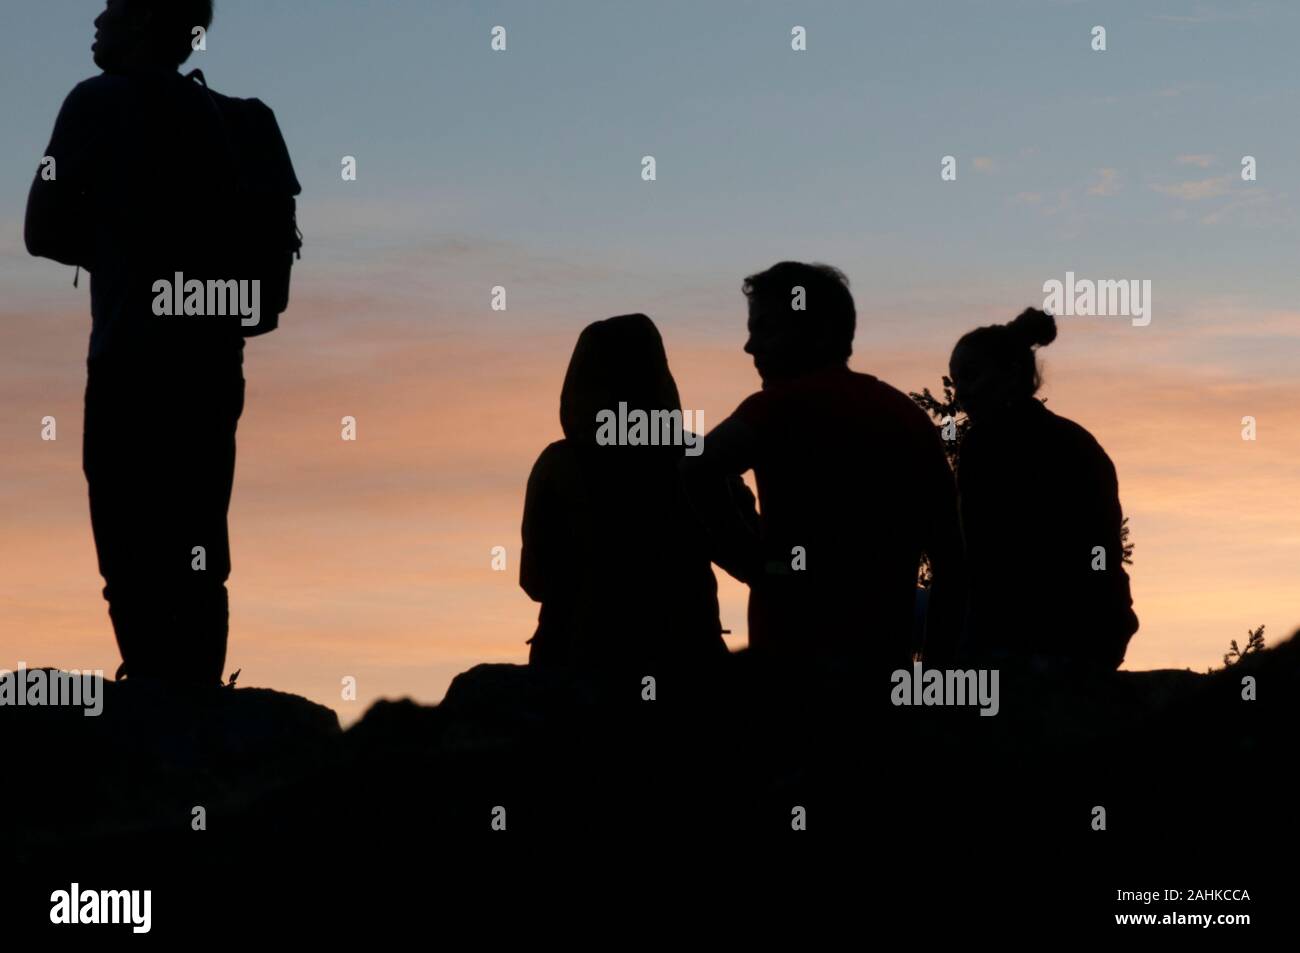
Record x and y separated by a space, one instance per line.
196 74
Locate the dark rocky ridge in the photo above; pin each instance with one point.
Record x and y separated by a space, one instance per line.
1177 758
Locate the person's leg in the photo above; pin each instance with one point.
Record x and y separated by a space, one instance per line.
203 469
159 458
118 460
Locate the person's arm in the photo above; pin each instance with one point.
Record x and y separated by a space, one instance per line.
735 547
1105 595
58 223
722 501
540 550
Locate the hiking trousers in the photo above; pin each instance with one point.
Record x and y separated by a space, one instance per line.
158 453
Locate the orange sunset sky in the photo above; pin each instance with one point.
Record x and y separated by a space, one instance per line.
372 558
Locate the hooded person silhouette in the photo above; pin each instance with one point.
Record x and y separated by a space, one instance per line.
1040 510
611 548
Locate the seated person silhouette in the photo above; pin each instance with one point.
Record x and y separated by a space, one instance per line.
611 548
853 487
1040 510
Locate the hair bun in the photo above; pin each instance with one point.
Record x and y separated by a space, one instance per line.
1034 326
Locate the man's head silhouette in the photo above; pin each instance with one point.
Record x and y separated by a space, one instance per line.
801 319
147 34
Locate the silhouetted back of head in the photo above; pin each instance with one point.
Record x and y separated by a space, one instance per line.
801 319
995 366
620 359
136 34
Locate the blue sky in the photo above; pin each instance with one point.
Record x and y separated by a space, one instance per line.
762 152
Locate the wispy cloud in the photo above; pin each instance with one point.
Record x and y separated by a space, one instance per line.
1260 206
985 164
1197 189
1107 182
1063 202
1175 89
1228 318
1200 160
1202 14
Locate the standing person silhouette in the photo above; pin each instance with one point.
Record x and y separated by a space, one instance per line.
136 188
611 549
853 487
1040 511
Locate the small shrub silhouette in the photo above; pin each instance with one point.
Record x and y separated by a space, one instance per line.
1254 644
941 410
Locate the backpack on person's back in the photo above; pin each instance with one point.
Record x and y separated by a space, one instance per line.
264 227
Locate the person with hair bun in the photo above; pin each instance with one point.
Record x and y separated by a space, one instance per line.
1040 511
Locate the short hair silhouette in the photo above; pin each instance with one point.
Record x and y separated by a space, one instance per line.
1007 350
166 27
829 315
